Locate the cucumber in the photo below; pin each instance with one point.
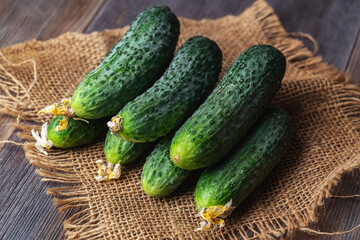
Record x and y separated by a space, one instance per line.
123 152
130 67
160 176
231 109
77 132
190 77
247 166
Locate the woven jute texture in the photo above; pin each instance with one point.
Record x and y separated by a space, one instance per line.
324 108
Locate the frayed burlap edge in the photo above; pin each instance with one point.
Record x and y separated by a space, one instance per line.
84 223
348 101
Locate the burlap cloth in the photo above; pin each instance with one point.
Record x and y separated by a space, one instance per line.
323 106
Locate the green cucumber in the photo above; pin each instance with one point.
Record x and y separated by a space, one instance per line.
247 166
231 109
123 152
190 77
77 132
160 176
130 67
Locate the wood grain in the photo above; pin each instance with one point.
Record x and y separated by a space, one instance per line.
334 24
43 19
353 63
26 212
5 129
109 16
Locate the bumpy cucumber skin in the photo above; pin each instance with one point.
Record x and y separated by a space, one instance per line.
123 152
130 67
190 77
231 109
77 132
160 176
247 166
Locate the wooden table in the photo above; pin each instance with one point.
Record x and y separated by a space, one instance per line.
26 212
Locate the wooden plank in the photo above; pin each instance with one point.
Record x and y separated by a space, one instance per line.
26 211
5 129
43 19
334 24
117 14
353 64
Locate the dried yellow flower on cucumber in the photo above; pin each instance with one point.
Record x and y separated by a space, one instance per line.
60 109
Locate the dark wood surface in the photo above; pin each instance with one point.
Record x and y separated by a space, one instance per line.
26 212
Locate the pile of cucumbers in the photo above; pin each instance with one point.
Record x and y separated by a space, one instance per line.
169 107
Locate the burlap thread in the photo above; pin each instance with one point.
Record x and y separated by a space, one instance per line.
323 105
